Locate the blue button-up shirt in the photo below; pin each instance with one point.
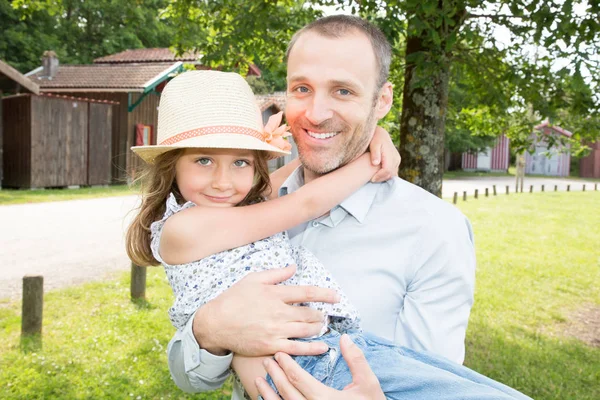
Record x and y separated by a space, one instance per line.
404 258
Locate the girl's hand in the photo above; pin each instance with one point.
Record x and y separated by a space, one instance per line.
294 383
384 153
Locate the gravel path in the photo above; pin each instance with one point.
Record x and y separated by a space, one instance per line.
68 242
71 242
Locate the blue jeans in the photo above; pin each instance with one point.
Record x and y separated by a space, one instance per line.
402 373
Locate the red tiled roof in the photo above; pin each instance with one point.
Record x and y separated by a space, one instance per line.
276 99
158 55
133 77
146 56
546 127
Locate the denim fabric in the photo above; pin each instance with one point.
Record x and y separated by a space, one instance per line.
403 373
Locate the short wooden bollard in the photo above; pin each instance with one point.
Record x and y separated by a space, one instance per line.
506 189
555 188
486 192
138 282
455 198
542 188
33 305
530 188
494 187
568 188
583 188
476 193
595 186
464 196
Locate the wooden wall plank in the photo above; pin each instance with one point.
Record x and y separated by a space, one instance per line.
16 120
99 143
119 132
145 113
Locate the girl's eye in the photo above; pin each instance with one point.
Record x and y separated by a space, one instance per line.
204 161
241 163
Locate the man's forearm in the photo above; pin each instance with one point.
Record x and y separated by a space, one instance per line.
201 330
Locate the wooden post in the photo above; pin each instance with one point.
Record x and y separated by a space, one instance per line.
506 189
542 188
487 194
520 172
530 188
33 305
464 196
584 187
494 187
455 198
595 186
555 188
476 193
138 282
568 188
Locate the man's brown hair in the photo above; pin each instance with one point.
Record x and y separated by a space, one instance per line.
337 26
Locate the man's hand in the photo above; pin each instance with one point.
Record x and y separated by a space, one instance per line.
384 152
293 383
255 317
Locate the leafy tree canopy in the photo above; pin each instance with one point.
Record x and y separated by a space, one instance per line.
79 31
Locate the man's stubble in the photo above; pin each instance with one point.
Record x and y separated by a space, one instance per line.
323 163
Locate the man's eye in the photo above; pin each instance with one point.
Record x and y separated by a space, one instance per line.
241 163
204 161
301 89
344 92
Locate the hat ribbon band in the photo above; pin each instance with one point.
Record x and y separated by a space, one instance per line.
212 130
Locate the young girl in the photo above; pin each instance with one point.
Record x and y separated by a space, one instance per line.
205 219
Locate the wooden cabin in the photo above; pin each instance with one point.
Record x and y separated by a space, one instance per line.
546 160
132 78
56 141
492 159
11 82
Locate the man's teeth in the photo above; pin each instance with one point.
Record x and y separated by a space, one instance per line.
321 135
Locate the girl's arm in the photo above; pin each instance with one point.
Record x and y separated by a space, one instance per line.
198 232
383 152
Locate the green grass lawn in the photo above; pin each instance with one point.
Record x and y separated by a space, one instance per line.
538 263
538 259
20 196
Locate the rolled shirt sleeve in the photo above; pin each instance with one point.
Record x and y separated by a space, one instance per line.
439 298
194 369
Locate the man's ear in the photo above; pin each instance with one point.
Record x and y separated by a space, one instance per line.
385 98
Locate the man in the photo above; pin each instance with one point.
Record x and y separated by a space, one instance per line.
404 257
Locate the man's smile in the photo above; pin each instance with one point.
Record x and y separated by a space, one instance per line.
322 135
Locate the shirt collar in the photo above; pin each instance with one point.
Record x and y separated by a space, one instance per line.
357 205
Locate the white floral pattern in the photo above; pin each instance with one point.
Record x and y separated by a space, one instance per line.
196 283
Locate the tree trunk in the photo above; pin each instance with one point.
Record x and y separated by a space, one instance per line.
424 105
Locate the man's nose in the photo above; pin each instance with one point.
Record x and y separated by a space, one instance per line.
222 179
319 110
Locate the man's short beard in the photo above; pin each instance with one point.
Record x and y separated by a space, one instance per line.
349 155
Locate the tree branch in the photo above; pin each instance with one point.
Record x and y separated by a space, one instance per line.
494 16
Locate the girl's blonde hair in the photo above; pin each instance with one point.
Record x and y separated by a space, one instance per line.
157 182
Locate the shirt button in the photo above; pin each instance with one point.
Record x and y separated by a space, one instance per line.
315 224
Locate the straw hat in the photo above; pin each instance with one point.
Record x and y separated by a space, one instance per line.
210 109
